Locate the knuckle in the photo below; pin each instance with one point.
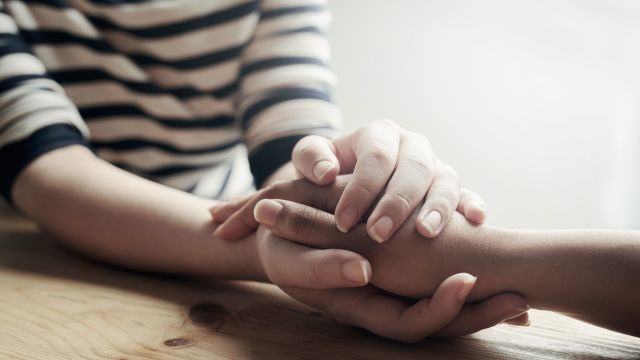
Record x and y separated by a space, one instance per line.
380 155
421 165
311 273
450 172
302 222
364 190
403 201
386 122
269 191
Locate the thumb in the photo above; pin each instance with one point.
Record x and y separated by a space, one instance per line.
315 158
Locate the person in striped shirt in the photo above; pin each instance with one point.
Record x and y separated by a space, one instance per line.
123 122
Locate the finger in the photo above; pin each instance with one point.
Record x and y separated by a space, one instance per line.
471 206
485 314
242 223
406 189
376 151
390 316
302 224
290 264
221 212
442 200
315 158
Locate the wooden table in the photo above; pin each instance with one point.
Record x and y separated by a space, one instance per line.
56 305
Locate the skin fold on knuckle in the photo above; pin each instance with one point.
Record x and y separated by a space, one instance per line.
300 222
420 165
379 156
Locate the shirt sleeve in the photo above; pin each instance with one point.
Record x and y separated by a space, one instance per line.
35 114
286 84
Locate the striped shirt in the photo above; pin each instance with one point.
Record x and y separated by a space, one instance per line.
182 92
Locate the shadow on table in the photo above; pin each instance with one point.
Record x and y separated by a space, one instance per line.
262 322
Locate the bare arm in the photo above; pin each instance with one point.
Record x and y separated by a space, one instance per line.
588 274
118 217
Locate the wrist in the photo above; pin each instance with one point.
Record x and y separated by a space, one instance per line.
242 261
496 268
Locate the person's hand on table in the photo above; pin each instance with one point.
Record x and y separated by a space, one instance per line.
388 163
333 280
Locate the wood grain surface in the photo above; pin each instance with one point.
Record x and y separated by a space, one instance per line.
54 304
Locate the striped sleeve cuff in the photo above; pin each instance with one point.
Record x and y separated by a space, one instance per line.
270 156
16 156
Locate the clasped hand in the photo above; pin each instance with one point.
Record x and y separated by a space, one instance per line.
317 257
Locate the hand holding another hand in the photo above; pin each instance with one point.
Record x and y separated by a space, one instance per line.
318 268
393 168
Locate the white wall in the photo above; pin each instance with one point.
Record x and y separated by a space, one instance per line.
535 103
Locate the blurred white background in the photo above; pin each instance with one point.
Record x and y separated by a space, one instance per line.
535 103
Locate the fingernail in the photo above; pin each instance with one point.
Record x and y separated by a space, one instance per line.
381 229
266 212
517 312
347 219
432 221
466 287
322 168
356 271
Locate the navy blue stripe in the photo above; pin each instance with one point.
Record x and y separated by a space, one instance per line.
209 20
56 37
137 144
265 160
68 77
12 82
95 113
195 62
16 156
12 44
165 170
280 96
61 37
62 4
212 19
279 61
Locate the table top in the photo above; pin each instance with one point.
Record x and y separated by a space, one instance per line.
55 304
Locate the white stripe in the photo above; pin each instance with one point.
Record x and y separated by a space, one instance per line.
20 64
154 13
73 56
36 16
207 78
240 181
202 106
24 129
189 44
294 21
124 127
7 24
285 119
296 44
150 159
290 75
110 93
276 4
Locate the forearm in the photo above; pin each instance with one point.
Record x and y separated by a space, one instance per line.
588 274
117 217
